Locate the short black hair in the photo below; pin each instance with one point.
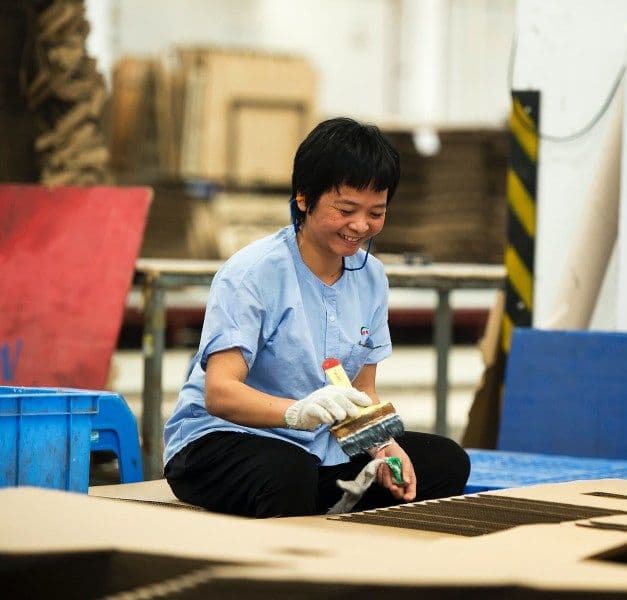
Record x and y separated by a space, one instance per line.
342 151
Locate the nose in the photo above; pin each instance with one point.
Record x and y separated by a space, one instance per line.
359 225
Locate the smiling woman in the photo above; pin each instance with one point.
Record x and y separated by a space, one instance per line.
250 431
342 221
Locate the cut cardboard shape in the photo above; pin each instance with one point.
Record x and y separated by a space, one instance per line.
157 491
278 556
613 555
87 575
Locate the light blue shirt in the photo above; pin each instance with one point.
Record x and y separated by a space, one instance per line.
266 302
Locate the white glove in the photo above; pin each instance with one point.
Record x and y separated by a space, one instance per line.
327 405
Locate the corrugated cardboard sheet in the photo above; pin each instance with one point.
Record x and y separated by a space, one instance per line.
309 557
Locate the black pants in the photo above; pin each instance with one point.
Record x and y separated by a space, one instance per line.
256 476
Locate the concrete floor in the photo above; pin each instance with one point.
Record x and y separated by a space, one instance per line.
406 379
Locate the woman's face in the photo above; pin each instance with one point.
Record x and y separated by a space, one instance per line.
344 219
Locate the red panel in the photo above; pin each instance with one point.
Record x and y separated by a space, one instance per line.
67 257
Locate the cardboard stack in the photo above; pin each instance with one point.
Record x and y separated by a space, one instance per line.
169 109
244 115
210 119
68 95
227 117
181 226
241 218
450 206
132 125
17 158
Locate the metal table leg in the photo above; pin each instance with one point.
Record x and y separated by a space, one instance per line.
153 345
443 335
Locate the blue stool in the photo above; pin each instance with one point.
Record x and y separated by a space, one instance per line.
114 429
564 411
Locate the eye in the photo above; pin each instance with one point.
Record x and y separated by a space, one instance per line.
378 215
344 212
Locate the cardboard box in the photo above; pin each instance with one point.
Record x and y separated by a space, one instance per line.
241 218
89 547
244 115
181 226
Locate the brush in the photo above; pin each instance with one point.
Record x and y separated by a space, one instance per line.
375 424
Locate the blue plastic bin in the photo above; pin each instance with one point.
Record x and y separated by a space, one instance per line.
45 437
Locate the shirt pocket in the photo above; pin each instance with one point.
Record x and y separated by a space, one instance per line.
356 359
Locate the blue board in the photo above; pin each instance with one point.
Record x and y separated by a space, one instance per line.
566 393
495 470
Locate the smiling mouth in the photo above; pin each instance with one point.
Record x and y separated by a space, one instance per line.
349 239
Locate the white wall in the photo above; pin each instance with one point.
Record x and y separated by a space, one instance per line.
570 50
417 60
621 258
480 37
100 42
151 26
344 39
442 61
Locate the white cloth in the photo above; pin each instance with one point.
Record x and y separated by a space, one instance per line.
354 490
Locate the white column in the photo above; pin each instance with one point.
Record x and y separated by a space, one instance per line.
594 237
424 60
100 40
621 304
571 51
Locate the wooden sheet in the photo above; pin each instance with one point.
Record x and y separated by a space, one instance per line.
67 257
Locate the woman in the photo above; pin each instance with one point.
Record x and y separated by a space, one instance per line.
250 431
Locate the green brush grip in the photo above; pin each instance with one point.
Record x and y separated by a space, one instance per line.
396 467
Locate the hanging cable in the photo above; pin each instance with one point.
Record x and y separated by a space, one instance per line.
577 134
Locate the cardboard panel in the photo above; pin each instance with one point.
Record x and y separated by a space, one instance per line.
67 258
282 556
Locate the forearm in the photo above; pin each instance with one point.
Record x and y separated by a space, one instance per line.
239 403
366 382
372 394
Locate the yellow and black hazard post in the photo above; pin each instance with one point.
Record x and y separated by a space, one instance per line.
522 175
517 306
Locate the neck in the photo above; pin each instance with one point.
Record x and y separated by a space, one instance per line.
326 268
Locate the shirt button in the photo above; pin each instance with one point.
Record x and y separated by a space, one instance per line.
332 318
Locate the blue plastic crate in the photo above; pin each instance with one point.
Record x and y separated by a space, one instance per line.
45 437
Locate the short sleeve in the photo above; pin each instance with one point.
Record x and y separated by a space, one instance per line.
379 329
233 319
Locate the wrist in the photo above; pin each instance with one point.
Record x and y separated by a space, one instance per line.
290 416
376 449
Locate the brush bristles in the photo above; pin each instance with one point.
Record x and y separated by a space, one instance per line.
372 435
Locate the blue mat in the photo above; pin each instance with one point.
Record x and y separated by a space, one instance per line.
495 470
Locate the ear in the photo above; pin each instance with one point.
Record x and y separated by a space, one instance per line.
300 202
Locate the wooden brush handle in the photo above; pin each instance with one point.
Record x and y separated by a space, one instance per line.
335 373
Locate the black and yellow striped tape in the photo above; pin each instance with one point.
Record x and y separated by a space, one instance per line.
522 175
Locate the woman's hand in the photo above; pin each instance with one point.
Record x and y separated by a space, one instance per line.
327 405
407 492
